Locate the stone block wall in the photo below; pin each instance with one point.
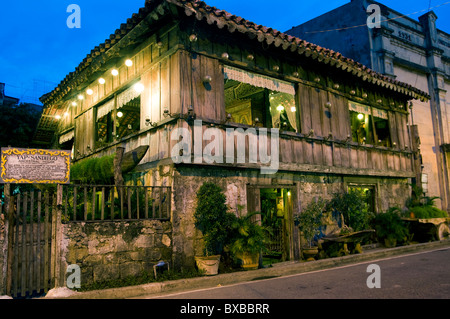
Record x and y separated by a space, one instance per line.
115 250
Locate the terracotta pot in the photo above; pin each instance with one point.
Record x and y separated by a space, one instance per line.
310 252
209 264
411 215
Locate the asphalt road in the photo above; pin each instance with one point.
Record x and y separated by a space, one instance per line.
423 275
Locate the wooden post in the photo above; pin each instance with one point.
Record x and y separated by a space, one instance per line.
56 273
10 238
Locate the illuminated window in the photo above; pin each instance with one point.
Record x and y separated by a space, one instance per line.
253 99
369 125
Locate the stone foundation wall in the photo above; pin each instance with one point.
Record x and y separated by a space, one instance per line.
187 180
115 250
3 248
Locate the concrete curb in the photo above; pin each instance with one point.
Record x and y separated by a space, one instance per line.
278 270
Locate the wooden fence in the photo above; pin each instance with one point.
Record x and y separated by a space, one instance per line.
106 202
34 227
29 244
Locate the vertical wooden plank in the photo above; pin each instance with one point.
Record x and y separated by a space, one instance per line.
85 203
307 152
399 127
23 287
198 90
75 193
146 201
219 89
16 249
112 202
31 254
165 86
38 256
156 93
305 106
393 128
46 244
103 204
128 190
137 202
185 63
175 84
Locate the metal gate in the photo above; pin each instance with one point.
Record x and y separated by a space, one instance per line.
29 243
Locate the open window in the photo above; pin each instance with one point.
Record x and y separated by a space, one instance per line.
369 125
120 116
254 99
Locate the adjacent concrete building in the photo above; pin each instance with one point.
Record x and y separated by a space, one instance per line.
414 52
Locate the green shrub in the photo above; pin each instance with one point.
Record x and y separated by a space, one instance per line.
99 170
353 207
212 219
428 212
310 219
390 226
248 236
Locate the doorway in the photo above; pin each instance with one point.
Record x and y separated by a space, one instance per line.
276 214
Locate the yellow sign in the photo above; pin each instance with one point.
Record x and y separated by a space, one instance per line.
29 166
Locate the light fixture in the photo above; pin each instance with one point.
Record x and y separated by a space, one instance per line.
128 62
119 114
289 193
74 103
89 92
225 55
317 79
58 117
250 57
280 108
360 116
193 37
328 104
207 79
66 114
364 95
101 81
276 68
139 87
80 97
115 72
295 74
336 86
293 109
352 92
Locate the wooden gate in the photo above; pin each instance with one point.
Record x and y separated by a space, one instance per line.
29 244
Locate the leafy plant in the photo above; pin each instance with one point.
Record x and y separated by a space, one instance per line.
310 219
212 219
353 208
390 226
93 170
248 236
427 211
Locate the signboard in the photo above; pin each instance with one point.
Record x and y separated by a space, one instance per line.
28 166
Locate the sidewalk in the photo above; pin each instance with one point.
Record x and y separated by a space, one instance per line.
278 270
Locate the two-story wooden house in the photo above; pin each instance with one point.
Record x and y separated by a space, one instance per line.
186 78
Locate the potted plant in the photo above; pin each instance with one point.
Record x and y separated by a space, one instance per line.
309 222
249 240
390 228
213 220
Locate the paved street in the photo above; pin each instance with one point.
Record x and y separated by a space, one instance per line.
422 275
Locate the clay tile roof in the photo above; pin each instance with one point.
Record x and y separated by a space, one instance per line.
220 18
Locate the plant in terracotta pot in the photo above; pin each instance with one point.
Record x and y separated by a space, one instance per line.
309 222
213 220
390 228
249 239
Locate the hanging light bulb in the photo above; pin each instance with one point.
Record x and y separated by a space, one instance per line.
138 87
128 62
101 81
119 114
360 116
89 92
74 103
114 72
80 97
280 107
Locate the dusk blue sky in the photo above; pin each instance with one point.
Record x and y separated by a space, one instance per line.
37 49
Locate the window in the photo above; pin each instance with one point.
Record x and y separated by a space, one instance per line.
253 99
369 125
127 109
367 193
